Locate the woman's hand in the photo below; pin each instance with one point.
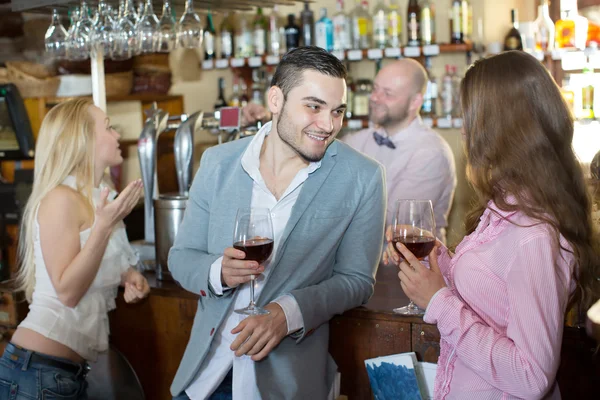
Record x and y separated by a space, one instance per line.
419 282
109 214
136 286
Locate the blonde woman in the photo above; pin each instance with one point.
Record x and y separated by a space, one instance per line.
74 254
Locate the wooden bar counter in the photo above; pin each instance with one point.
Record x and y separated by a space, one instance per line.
153 335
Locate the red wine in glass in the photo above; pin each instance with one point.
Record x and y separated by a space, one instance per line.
253 234
420 246
414 227
257 250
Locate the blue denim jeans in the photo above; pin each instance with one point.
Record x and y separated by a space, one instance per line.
223 392
25 378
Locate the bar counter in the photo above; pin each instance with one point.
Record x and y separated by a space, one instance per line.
153 335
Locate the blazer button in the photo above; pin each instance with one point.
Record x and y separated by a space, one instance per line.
212 331
203 293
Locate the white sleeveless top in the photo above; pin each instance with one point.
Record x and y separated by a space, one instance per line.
84 328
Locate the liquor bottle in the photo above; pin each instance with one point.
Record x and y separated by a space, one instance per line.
380 25
544 28
243 38
513 40
260 28
221 102
235 100
244 100
349 97
361 26
292 33
587 93
429 108
427 23
466 21
568 93
447 94
209 38
412 19
571 28
456 108
324 31
455 23
307 20
257 87
395 25
275 39
226 36
341 28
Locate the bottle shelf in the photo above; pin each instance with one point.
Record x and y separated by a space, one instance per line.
432 122
350 55
570 59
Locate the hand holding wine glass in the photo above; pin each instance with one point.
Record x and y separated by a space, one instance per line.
414 228
253 235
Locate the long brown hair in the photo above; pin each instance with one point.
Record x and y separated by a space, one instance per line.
518 133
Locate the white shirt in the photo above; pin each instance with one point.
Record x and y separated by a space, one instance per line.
420 167
220 358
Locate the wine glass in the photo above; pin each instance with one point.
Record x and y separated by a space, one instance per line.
253 234
147 30
56 37
125 36
103 35
166 29
414 227
78 36
189 28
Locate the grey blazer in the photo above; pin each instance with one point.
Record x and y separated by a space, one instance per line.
327 259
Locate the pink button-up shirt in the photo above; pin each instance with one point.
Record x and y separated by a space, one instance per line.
501 317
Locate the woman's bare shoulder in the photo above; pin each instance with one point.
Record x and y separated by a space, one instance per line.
65 204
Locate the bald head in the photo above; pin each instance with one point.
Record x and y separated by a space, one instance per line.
407 73
397 94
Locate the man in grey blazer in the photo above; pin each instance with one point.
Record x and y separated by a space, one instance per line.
328 207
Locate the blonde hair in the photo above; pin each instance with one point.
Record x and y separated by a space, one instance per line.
65 146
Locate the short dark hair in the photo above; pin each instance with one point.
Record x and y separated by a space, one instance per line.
288 74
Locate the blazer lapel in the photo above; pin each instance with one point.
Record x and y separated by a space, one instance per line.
309 190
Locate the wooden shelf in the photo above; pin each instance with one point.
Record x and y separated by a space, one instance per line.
346 55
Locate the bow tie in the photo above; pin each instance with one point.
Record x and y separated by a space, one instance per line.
383 141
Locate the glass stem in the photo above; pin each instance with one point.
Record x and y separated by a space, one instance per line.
252 304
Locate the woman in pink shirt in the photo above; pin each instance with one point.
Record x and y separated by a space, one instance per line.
499 302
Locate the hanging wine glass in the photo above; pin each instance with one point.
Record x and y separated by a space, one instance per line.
56 37
114 12
78 39
84 18
125 37
73 18
147 28
129 12
189 28
103 34
167 38
140 11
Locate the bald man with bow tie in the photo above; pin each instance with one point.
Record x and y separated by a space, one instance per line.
419 163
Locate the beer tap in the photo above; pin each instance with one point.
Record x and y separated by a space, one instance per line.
183 148
155 124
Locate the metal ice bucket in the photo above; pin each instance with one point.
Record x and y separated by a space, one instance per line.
168 214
